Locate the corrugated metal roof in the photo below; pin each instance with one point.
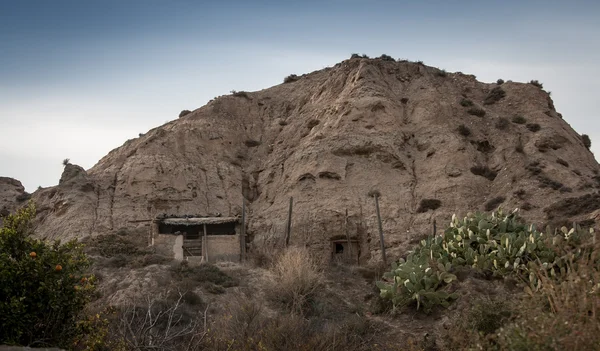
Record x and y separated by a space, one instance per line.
199 220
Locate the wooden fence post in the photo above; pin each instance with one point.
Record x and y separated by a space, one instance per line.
205 244
289 223
348 236
243 235
380 230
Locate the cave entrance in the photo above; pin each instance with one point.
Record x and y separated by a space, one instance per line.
343 251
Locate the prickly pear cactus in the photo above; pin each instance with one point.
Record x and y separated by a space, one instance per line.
498 243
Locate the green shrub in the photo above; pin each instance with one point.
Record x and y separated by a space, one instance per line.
536 83
500 81
466 102
184 113
43 286
519 120
385 57
587 142
476 111
205 272
291 78
494 96
242 93
441 73
464 130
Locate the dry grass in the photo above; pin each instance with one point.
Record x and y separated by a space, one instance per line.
563 315
296 278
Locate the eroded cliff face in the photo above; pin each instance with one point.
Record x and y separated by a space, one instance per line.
12 195
328 139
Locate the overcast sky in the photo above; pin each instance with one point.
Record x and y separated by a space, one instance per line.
79 78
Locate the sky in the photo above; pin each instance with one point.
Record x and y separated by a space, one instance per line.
79 78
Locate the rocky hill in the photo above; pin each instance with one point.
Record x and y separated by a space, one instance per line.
431 143
12 195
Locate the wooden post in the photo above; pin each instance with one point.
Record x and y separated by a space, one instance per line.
243 234
380 230
205 244
289 223
348 237
434 228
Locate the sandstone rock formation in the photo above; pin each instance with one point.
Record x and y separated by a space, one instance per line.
12 195
431 143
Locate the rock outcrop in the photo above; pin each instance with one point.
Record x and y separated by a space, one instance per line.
12 195
431 143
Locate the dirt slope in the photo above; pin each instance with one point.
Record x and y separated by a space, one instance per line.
328 139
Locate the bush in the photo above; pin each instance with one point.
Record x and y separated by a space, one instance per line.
476 111
500 81
494 96
291 78
23 197
428 204
484 317
466 102
587 142
43 286
502 123
498 244
484 171
184 113
519 120
164 321
464 130
385 57
533 127
240 94
296 279
441 73
112 245
204 273
536 83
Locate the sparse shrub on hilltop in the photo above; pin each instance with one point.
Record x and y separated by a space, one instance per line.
536 83
385 57
500 81
441 73
587 142
291 78
184 113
